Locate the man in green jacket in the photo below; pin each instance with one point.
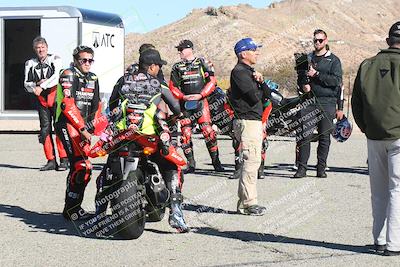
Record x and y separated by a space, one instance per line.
376 110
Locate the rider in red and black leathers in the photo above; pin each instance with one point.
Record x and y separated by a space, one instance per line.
193 77
143 88
77 106
42 73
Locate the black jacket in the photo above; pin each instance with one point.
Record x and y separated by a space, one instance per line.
326 86
246 94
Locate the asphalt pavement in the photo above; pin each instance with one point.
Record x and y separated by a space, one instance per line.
309 222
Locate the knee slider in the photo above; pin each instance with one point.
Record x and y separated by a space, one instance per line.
82 172
207 131
186 134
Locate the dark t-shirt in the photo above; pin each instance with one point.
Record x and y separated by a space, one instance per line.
246 95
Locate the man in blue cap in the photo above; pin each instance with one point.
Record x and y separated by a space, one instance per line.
246 96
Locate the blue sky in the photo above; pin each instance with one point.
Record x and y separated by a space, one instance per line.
139 16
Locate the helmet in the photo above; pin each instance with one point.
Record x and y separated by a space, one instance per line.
343 129
82 48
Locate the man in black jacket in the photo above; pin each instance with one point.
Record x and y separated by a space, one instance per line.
323 86
246 98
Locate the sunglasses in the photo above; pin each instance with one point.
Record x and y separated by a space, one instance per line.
86 60
318 41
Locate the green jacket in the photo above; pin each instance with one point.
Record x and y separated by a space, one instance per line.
376 96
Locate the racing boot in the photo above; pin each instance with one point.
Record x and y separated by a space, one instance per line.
50 165
73 210
261 170
64 164
191 163
238 168
216 162
176 219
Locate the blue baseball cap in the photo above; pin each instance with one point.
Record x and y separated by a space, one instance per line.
245 44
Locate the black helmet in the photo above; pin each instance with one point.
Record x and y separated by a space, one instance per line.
82 48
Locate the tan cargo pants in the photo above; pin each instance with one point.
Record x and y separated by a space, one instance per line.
250 134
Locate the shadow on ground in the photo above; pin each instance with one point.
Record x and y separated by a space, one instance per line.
9 166
205 209
332 169
52 222
261 237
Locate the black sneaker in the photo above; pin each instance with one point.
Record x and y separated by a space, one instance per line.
253 210
64 164
301 173
50 165
391 253
321 174
379 248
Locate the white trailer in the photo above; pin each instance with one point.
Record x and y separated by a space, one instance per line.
64 28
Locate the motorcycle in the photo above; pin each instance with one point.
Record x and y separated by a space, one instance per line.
131 184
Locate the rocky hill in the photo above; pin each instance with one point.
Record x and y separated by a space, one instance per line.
356 29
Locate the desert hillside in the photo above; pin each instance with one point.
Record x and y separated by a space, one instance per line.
356 29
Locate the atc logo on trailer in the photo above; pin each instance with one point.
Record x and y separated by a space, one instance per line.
64 28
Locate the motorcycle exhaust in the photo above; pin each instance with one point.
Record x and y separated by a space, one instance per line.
158 190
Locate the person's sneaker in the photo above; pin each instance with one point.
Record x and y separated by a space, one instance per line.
301 172
64 164
321 174
391 253
253 210
50 165
76 215
176 220
379 248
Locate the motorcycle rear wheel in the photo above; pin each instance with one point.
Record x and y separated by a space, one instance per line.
128 205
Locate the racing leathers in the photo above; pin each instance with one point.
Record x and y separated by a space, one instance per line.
78 104
195 77
141 103
45 74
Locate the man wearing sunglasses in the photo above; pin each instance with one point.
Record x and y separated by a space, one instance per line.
41 78
324 85
78 104
192 80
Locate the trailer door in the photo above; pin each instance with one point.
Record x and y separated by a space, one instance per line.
17 43
62 36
